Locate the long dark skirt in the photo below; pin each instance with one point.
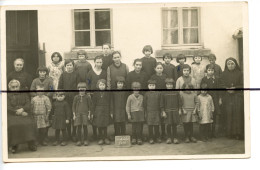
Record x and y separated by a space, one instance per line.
20 129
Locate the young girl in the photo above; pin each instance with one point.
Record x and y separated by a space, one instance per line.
205 112
217 68
61 117
185 78
159 76
116 69
118 102
96 73
170 107
81 108
135 113
181 59
197 70
82 67
41 108
213 82
152 112
56 69
101 111
44 81
168 68
69 81
149 62
137 75
189 102
232 78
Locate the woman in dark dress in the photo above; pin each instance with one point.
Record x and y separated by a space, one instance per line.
231 79
19 74
20 124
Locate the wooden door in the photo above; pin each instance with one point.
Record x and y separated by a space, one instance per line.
22 39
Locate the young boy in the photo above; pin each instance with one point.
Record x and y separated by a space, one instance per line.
149 62
106 56
82 67
168 68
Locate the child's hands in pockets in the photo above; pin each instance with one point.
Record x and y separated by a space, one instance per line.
67 121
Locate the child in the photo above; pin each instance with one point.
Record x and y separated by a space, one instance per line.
152 112
149 62
82 67
197 70
101 111
116 69
189 102
42 80
217 68
170 107
81 108
135 113
137 75
106 56
181 59
69 81
41 108
118 102
61 117
159 76
213 82
96 73
185 78
205 112
168 68
56 69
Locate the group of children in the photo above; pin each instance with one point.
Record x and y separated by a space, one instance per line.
104 98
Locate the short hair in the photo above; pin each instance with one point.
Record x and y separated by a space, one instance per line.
197 56
21 59
82 85
58 55
98 57
169 80
14 81
67 61
148 48
42 68
210 66
60 93
167 55
136 85
115 52
120 79
179 57
187 84
204 86
158 63
101 81
151 81
212 56
185 66
138 60
108 44
82 52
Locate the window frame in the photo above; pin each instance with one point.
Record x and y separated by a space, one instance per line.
180 29
92 28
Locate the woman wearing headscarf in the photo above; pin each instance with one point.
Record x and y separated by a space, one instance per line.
232 79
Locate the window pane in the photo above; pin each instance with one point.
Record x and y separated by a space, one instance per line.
103 37
190 36
170 18
190 17
102 19
170 36
82 38
81 20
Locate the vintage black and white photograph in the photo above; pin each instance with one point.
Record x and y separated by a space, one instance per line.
125 81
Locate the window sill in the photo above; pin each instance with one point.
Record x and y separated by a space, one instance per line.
188 52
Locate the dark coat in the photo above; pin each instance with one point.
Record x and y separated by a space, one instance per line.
118 104
61 113
152 107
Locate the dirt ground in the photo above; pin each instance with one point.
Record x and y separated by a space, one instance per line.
219 145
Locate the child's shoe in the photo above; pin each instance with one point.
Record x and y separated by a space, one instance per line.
187 140
158 140
192 139
151 141
169 141
78 143
55 143
175 141
86 143
133 141
139 142
63 143
101 142
107 142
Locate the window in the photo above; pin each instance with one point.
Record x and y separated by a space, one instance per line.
180 26
92 27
